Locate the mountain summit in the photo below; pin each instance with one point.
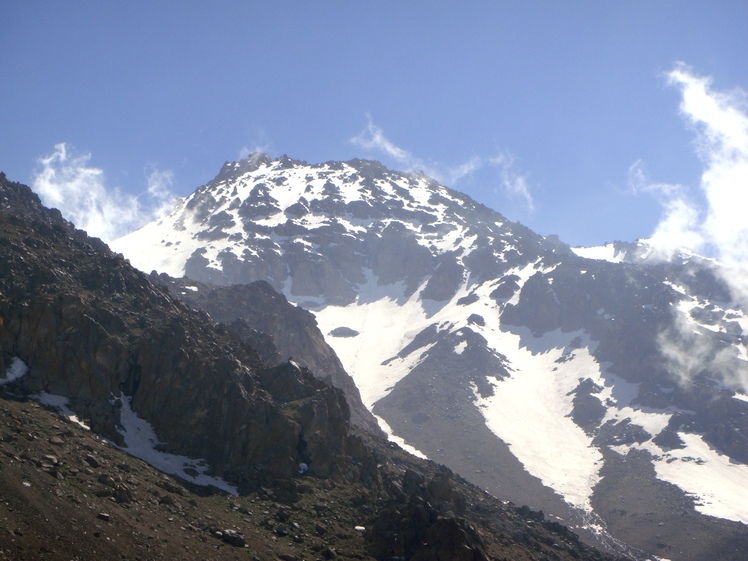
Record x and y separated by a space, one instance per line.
318 233
611 393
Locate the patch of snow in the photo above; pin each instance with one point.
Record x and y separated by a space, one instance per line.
676 287
167 256
530 411
740 396
141 442
461 346
607 252
523 273
652 421
718 483
379 322
392 437
60 403
16 370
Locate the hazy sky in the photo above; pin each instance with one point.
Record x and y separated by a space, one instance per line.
570 117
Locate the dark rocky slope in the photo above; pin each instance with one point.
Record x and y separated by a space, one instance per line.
256 309
65 494
93 329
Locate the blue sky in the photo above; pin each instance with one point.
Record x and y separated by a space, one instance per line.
562 115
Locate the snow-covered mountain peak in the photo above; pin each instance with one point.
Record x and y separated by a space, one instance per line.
548 375
348 217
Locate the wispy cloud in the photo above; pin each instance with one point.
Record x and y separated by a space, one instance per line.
65 180
720 123
679 226
689 353
160 196
511 182
373 138
260 145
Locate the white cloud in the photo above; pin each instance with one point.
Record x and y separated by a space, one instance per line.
65 180
514 183
373 139
261 145
689 352
254 153
721 126
679 226
720 123
160 192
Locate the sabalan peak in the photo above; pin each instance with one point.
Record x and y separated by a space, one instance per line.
137 427
607 387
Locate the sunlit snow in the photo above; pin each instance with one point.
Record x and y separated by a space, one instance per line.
607 252
368 357
718 484
398 440
530 412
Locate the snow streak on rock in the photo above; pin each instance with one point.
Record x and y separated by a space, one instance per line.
141 441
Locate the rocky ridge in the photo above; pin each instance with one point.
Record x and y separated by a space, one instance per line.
268 322
91 328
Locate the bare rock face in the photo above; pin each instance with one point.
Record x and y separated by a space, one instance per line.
538 307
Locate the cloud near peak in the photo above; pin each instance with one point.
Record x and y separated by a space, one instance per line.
511 182
65 180
720 123
717 226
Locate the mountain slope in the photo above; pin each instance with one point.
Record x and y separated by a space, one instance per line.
544 376
85 334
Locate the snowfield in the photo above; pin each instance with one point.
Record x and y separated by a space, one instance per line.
531 410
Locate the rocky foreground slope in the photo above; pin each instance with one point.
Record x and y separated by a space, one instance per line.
610 392
86 334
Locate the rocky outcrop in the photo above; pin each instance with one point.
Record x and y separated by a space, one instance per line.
255 309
